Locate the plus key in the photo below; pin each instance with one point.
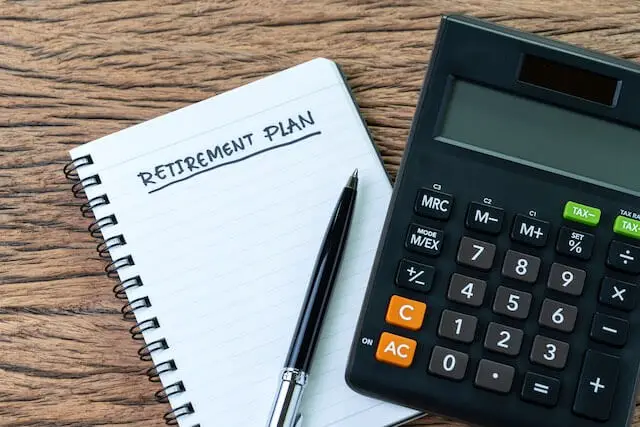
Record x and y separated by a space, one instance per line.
597 385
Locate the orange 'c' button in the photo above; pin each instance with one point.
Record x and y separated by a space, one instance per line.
395 350
406 313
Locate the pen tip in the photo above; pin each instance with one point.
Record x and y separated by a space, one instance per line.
353 180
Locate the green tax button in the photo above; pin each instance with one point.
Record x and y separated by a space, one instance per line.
580 213
627 227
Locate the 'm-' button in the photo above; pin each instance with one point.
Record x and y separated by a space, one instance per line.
406 313
395 350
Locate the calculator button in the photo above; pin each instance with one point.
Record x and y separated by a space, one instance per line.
627 227
512 303
448 363
406 313
457 326
581 213
540 389
549 352
609 330
503 339
530 231
521 266
396 350
556 315
574 243
425 240
487 219
433 204
415 276
624 257
566 279
597 385
476 253
494 376
466 290
618 294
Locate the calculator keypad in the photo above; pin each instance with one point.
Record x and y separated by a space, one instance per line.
550 320
476 253
521 266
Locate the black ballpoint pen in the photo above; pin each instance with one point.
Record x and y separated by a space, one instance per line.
285 409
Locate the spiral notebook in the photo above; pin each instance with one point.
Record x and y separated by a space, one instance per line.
212 216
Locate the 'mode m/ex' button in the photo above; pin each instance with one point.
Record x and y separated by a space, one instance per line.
424 240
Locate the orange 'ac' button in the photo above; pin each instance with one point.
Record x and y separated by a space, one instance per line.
406 313
395 350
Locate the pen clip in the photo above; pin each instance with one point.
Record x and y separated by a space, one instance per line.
298 420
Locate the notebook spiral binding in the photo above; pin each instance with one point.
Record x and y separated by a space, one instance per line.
120 289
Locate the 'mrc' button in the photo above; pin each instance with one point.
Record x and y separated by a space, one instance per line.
433 204
396 350
406 313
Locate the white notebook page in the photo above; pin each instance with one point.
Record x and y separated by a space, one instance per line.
225 242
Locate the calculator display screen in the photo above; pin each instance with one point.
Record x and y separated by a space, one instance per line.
543 136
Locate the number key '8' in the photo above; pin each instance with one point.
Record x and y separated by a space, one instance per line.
521 266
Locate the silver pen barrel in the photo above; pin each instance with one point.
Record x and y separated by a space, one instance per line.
285 409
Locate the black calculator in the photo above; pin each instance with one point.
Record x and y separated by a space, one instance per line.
505 286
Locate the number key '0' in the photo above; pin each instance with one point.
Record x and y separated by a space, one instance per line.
395 350
448 363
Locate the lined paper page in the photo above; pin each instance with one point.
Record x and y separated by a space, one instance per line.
223 206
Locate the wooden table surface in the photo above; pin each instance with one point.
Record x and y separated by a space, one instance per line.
74 70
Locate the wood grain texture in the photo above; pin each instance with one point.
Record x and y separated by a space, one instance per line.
75 70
